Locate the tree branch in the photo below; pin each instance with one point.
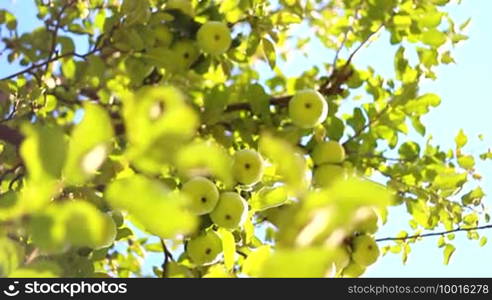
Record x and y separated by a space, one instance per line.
281 101
54 35
167 256
433 233
12 136
55 58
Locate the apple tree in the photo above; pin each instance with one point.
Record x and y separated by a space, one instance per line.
138 127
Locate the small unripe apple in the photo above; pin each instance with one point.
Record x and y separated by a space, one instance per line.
353 270
214 37
366 220
184 6
205 248
231 211
365 251
325 175
308 108
183 53
203 195
163 35
247 166
329 152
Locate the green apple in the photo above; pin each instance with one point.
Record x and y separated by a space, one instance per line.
342 258
214 37
231 211
163 35
366 220
325 175
184 6
175 270
247 166
328 152
205 248
308 108
203 195
183 54
353 270
365 251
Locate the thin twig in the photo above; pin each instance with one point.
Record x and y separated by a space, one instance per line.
344 40
54 35
167 256
433 233
351 56
9 171
55 58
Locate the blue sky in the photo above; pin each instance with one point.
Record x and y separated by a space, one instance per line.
464 89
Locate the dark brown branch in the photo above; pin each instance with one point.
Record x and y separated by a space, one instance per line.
167 256
276 101
10 135
433 233
349 60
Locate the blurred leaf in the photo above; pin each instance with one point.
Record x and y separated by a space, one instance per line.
229 248
90 143
11 256
161 212
269 51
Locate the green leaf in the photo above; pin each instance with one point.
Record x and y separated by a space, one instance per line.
409 150
228 247
11 256
285 18
90 144
441 242
434 38
334 128
160 211
191 161
307 262
137 11
69 68
358 120
448 252
460 139
259 100
253 263
157 118
402 21
216 101
269 51
466 162
43 151
269 197
473 197
289 164
86 226
483 241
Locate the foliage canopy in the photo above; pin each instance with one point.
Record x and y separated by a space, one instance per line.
279 173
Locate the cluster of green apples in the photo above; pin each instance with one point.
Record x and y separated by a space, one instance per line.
308 109
364 249
226 209
178 52
328 157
